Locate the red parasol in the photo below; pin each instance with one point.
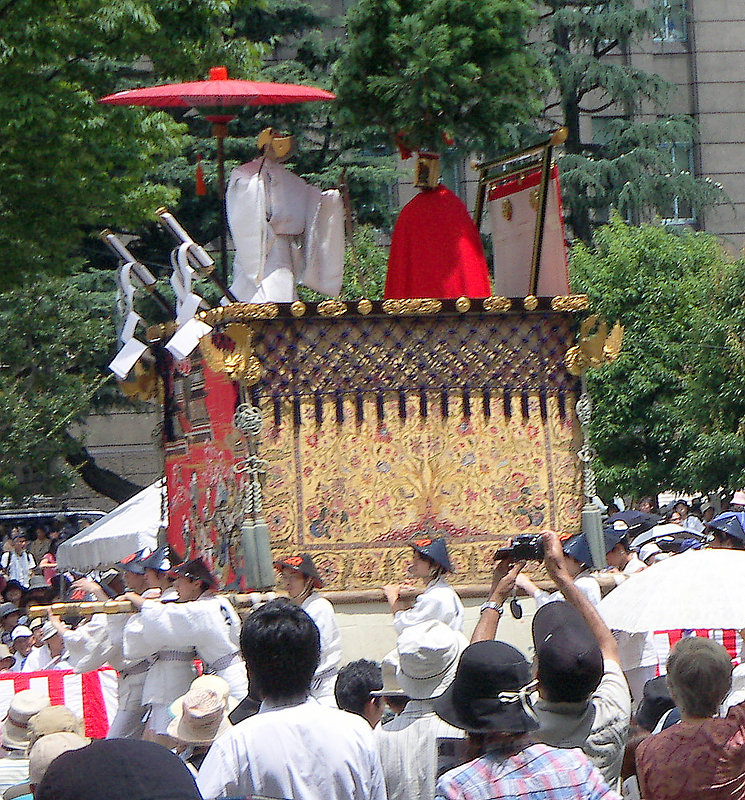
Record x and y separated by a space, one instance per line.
222 94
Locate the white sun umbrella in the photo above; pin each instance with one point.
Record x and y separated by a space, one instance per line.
698 589
128 528
659 532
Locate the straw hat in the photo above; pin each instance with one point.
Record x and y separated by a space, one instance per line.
15 727
201 718
54 719
46 749
210 683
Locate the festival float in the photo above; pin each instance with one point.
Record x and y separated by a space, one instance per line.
343 428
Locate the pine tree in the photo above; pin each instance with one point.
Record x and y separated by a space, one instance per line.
583 43
429 71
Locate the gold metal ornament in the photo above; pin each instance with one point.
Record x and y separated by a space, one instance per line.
297 309
239 312
534 197
145 384
507 208
497 303
594 350
418 305
462 304
332 308
530 303
570 302
239 364
364 307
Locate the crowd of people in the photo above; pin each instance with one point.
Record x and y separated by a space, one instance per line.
275 714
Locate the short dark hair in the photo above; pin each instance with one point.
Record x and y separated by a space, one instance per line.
354 683
282 647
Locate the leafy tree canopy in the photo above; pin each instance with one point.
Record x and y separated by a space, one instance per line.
670 412
66 162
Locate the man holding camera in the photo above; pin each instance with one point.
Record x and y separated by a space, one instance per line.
583 698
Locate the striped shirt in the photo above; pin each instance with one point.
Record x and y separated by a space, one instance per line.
538 772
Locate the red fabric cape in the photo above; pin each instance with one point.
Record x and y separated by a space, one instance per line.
436 250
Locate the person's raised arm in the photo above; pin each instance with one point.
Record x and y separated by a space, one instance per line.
556 567
502 584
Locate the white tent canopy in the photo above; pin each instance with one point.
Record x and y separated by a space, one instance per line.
128 528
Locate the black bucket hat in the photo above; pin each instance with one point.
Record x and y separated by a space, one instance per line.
489 691
303 564
433 549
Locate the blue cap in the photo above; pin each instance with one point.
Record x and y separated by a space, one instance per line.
732 523
433 549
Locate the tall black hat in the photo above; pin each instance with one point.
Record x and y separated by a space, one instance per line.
158 560
132 563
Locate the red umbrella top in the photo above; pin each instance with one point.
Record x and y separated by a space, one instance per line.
219 91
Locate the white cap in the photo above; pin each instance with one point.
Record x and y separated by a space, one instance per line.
21 630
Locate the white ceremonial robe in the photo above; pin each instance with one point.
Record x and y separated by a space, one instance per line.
210 625
438 601
285 232
40 659
99 642
303 751
320 610
170 673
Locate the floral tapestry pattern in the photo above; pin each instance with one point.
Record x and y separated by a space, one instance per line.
352 494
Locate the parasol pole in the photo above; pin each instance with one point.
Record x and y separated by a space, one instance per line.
220 131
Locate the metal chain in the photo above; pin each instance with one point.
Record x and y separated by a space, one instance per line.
587 452
248 419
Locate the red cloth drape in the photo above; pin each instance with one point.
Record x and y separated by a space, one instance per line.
436 250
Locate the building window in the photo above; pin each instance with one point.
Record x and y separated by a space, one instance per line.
672 22
678 210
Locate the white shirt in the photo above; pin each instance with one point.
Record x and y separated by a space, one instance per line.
13 769
18 567
320 610
589 587
437 602
40 659
633 565
408 750
305 751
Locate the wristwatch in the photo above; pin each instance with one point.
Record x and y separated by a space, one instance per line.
494 606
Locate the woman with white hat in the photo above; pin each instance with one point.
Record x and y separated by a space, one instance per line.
439 601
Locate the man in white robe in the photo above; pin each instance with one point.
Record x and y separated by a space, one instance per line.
199 619
285 231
